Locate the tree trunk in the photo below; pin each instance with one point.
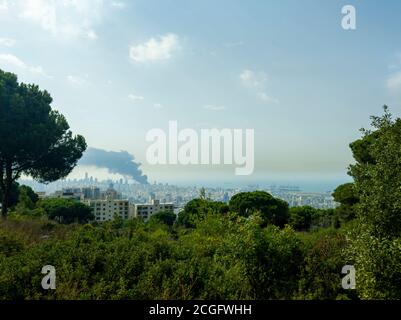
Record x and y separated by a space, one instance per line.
4 204
2 187
6 186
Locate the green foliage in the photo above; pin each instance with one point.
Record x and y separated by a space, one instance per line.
244 260
361 148
378 264
10 244
274 211
324 258
202 194
197 209
375 241
27 198
348 199
225 257
166 217
33 230
34 139
325 218
279 264
301 217
66 210
22 200
378 183
346 194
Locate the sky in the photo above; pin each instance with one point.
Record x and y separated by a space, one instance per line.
286 69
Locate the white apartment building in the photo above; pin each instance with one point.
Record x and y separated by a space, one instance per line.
105 210
145 211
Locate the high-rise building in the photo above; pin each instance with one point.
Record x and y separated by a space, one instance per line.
90 193
111 193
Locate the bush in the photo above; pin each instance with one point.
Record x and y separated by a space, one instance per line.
378 264
324 259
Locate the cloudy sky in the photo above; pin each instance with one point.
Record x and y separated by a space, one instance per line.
286 69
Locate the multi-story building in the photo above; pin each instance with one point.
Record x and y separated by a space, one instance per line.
90 193
107 209
111 193
145 211
105 205
41 194
70 193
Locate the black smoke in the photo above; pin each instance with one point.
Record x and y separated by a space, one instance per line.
116 162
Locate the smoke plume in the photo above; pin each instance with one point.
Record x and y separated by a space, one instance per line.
116 162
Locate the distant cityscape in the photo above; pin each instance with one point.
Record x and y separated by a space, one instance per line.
178 196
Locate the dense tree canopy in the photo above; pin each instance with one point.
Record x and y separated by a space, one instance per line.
27 197
377 181
376 239
301 217
34 139
66 210
274 211
197 209
166 217
346 194
348 199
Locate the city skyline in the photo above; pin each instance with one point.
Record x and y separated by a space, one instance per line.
117 69
178 195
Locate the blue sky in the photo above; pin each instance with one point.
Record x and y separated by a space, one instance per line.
286 69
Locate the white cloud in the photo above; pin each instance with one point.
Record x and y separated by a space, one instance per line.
135 98
266 98
394 81
252 79
256 81
78 81
158 106
155 49
11 61
118 4
66 18
91 35
214 108
234 44
6 42
3 5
